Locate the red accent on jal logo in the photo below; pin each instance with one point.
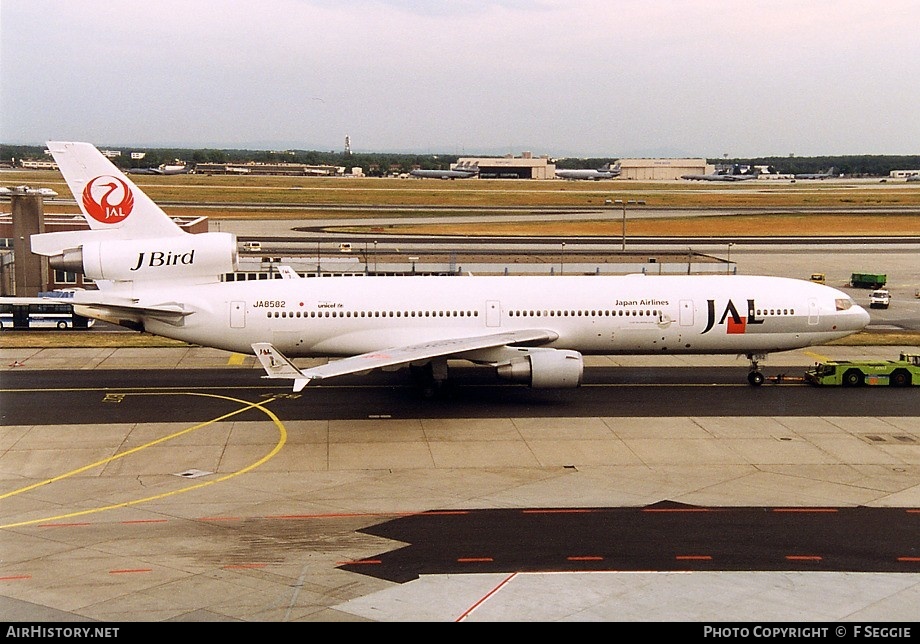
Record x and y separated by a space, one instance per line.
108 199
736 326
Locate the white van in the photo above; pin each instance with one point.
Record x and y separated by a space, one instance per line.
253 246
879 299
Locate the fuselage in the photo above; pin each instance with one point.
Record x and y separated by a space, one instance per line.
586 174
633 314
443 174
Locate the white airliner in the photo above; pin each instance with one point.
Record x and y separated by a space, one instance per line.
44 192
604 172
153 276
734 175
464 170
818 175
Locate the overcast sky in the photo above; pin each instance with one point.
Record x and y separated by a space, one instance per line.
590 78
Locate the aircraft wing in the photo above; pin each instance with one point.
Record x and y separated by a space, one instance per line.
277 365
171 313
97 304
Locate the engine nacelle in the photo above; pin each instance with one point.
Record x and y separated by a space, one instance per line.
545 369
180 256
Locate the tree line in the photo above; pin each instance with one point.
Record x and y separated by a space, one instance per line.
385 163
865 165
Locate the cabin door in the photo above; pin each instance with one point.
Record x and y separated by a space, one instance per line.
813 315
237 315
493 313
686 312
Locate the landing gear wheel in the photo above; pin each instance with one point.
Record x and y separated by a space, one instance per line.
853 378
430 378
755 376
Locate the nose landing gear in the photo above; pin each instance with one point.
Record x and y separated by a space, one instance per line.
755 375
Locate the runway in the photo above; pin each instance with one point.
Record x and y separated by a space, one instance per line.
36 397
206 494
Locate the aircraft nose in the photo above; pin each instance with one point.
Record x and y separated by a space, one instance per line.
862 317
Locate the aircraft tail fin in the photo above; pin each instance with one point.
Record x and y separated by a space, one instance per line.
277 365
108 199
130 239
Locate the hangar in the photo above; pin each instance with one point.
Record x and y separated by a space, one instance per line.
525 166
651 169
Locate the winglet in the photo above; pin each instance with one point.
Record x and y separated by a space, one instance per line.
277 365
287 272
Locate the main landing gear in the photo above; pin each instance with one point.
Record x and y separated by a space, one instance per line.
430 378
755 376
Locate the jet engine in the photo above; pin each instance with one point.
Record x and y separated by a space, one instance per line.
174 257
545 368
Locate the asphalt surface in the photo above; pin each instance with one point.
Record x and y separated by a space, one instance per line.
37 397
197 492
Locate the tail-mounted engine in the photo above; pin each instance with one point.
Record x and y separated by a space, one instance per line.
174 257
544 368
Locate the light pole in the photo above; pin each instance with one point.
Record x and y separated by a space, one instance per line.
728 268
562 260
622 203
375 257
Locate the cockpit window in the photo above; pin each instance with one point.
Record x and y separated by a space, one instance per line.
844 303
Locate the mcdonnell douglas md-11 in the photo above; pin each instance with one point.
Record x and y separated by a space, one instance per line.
154 277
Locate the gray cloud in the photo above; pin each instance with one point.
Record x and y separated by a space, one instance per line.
582 77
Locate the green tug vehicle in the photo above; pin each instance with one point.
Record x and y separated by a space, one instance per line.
903 372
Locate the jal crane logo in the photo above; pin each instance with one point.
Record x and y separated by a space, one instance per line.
108 199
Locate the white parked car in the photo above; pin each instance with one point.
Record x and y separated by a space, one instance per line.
879 299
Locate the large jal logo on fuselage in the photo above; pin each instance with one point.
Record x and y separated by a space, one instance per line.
734 321
108 199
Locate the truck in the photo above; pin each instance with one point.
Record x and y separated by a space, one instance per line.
903 372
879 299
868 280
818 278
